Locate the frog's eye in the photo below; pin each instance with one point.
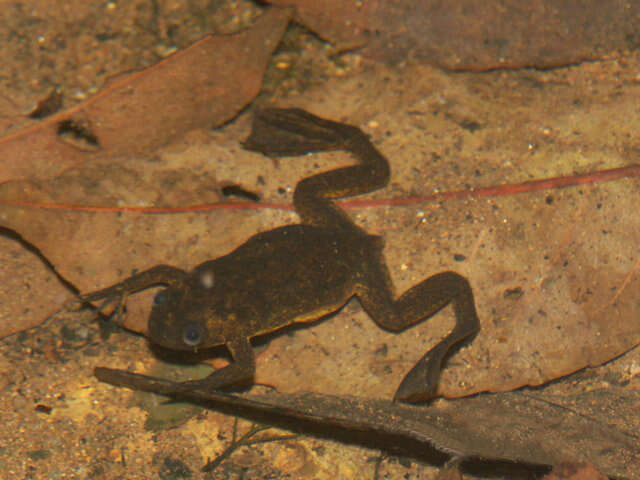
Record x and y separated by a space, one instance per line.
160 298
192 334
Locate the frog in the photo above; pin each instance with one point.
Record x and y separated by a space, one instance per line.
300 272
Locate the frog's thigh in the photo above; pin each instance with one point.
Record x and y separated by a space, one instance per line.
240 371
419 302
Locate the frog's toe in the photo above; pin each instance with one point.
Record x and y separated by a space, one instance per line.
107 298
411 394
109 295
419 386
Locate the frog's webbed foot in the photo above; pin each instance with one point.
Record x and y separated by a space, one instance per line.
416 305
158 275
108 296
421 383
237 374
292 131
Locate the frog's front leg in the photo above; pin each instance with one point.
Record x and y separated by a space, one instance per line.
418 304
158 275
240 372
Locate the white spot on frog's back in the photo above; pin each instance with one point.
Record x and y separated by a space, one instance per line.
207 279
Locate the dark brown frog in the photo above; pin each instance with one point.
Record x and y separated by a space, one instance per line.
301 272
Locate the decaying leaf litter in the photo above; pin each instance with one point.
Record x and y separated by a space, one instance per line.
542 436
450 119
488 36
572 282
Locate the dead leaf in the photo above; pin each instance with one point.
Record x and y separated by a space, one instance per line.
470 35
204 85
555 273
571 253
509 427
345 24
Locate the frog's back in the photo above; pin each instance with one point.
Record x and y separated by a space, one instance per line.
292 273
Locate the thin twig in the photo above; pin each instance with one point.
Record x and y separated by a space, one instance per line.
244 441
600 176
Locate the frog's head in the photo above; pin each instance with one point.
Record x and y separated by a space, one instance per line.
181 319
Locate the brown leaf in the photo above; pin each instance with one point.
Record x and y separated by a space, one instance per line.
204 85
555 273
345 24
512 427
471 35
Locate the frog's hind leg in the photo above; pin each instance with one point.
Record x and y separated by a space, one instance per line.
282 132
415 305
